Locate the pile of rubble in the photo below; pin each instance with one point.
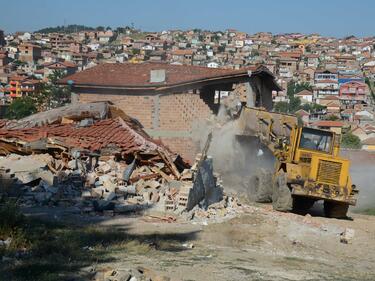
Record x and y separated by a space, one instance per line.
96 158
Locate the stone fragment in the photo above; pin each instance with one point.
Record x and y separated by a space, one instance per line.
347 236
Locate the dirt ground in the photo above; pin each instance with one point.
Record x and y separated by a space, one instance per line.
258 244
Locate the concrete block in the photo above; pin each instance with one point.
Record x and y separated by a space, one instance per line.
48 177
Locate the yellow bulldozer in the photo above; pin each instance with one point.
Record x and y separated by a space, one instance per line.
308 167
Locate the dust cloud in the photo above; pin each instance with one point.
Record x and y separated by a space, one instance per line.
235 157
363 176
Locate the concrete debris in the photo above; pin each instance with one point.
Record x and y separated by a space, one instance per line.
122 171
188 245
347 236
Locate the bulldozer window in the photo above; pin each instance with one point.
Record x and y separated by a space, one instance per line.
316 140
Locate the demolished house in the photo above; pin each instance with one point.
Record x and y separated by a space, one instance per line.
169 100
95 157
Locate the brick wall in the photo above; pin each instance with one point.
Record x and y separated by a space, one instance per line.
178 112
184 146
168 115
139 107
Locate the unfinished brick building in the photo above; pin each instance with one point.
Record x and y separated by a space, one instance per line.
169 99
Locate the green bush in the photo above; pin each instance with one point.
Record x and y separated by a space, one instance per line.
21 107
350 141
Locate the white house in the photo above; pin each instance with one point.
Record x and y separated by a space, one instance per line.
93 46
364 115
25 37
305 96
239 43
212 64
248 42
148 48
105 36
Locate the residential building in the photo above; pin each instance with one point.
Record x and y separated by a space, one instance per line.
325 83
332 105
307 75
364 132
183 56
174 98
29 52
304 115
3 60
22 86
312 60
287 67
305 95
369 144
104 36
334 126
353 92
65 67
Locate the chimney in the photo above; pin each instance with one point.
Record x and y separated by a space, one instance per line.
157 76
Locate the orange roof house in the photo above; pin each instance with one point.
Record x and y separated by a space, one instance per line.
169 100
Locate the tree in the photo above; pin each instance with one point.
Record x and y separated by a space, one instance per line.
50 95
100 28
120 30
332 117
294 88
312 107
66 29
294 104
281 106
21 107
215 38
221 48
18 63
254 53
136 51
350 141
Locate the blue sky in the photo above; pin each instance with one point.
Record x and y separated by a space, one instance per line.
328 17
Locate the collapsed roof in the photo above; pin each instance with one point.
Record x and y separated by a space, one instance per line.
96 127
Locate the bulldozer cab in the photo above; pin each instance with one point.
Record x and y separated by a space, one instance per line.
317 140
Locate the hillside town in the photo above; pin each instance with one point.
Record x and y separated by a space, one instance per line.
326 81
130 155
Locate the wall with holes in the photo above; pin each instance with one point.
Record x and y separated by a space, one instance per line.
168 117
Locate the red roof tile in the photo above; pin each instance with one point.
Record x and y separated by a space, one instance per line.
182 52
102 134
2 123
138 75
328 123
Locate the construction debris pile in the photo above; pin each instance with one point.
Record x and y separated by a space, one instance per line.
96 158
